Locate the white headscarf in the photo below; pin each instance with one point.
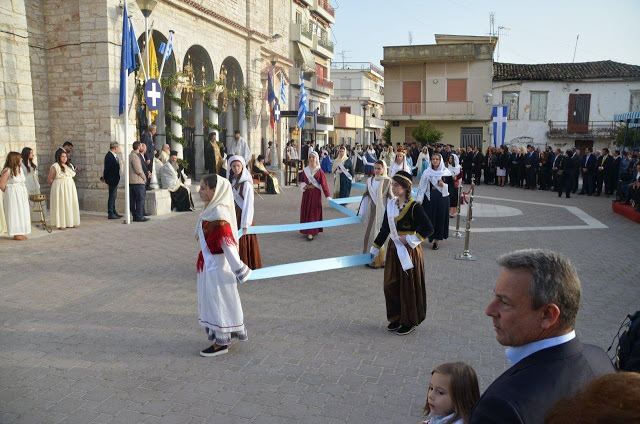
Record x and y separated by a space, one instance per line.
395 167
455 169
434 175
314 170
245 175
222 207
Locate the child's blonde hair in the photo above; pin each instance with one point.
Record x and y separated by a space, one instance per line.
465 390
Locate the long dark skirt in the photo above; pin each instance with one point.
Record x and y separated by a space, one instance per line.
181 200
271 188
437 209
404 292
453 195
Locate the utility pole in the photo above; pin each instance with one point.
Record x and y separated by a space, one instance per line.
410 38
342 53
576 48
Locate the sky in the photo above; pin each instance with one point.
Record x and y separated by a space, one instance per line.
539 31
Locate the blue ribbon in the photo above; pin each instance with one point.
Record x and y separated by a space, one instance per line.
310 266
269 229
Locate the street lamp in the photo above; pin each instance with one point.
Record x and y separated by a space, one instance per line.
146 7
487 97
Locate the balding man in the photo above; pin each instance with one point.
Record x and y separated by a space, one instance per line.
534 310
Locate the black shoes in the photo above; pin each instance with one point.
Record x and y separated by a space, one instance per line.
393 326
404 330
113 217
435 246
212 351
143 219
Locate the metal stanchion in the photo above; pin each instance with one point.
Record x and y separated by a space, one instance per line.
458 233
466 255
473 187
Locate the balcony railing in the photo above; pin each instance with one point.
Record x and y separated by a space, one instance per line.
364 66
325 4
607 129
326 44
358 93
371 122
321 81
428 108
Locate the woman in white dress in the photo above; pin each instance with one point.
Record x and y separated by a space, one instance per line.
399 164
16 198
30 171
65 210
219 267
423 161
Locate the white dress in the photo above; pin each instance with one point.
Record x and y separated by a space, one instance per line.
33 187
16 206
65 210
3 223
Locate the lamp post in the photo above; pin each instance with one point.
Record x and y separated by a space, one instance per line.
146 7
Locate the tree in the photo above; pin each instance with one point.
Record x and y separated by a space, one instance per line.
386 135
631 136
427 133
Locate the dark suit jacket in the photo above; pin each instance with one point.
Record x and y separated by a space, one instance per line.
525 392
567 165
549 162
589 164
145 167
151 146
111 173
606 166
476 161
532 159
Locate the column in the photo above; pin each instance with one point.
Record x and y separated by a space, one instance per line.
161 135
229 124
213 115
176 127
199 135
242 121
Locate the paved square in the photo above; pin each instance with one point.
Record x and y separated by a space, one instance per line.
99 324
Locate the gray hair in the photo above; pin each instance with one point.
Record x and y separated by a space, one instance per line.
554 280
113 145
152 127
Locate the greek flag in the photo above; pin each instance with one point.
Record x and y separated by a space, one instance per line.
302 104
283 94
499 117
166 49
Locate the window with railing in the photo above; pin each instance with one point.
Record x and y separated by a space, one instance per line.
305 29
326 5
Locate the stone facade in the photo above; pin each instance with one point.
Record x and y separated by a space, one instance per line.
65 54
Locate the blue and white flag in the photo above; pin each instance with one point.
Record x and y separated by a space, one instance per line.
499 116
128 57
302 104
166 49
283 93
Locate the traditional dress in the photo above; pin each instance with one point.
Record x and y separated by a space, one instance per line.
33 187
404 279
423 162
326 161
435 199
239 147
3 222
357 156
242 187
173 180
372 208
219 269
65 210
402 166
386 157
311 207
272 182
342 169
369 160
454 182
16 205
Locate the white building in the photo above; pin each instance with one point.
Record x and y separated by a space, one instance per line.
312 52
359 90
565 104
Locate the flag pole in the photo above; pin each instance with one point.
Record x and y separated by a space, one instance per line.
164 56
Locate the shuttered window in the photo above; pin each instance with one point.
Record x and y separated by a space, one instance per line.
635 101
411 97
456 90
538 111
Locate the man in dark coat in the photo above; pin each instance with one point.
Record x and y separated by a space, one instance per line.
476 164
147 139
111 177
604 164
587 167
534 312
531 167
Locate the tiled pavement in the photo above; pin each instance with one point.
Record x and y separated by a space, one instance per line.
99 325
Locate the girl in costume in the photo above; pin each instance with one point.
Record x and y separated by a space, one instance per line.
242 185
399 164
423 161
313 185
372 208
16 198
453 166
342 169
404 287
434 187
65 210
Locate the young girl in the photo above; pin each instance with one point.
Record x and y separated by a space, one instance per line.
372 207
404 288
399 164
65 209
30 171
433 195
342 169
453 390
242 184
16 198
453 166
314 184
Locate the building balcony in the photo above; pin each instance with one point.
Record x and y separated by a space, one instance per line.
323 85
324 9
358 66
301 31
591 129
359 94
294 78
324 123
428 111
371 122
323 47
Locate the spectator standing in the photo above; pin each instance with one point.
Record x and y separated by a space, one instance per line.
537 297
65 210
137 181
111 177
16 198
587 167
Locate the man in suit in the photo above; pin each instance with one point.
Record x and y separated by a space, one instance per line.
149 154
605 163
466 164
556 179
614 172
137 179
565 171
534 311
476 164
531 167
587 167
547 171
111 177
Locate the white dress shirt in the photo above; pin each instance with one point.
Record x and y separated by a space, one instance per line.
518 353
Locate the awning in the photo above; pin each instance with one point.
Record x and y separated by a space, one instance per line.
308 62
626 116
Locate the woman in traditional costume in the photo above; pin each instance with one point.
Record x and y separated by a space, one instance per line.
358 169
399 164
326 161
433 194
242 185
423 161
65 210
30 172
454 167
342 169
387 155
314 184
15 205
369 160
404 280
219 267
372 208
272 182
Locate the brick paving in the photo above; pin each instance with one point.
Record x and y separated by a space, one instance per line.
99 324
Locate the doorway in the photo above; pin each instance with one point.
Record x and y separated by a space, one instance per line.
578 119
